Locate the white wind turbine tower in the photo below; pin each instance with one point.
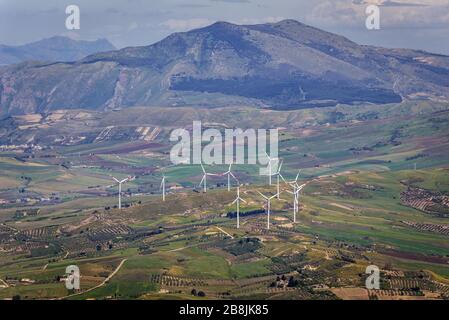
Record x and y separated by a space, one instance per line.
295 201
162 187
237 202
279 176
230 174
268 199
296 190
295 193
204 180
120 182
270 167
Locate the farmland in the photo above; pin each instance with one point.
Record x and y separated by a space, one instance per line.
376 193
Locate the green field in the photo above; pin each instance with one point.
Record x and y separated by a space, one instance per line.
357 209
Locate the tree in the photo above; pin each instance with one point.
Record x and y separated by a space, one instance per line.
292 282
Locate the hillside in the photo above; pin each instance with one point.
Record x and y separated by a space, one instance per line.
283 65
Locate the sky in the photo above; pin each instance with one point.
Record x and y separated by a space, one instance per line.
416 24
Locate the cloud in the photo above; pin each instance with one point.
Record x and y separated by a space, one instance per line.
193 5
232 1
388 3
258 20
189 24
186 24
402 3
133 26
335 13
343 13
72 35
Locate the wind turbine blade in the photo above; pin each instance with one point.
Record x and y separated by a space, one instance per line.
235 201
116 180
262 195
297 176
280 167
230 167
280 175
202 180
243 200
202 167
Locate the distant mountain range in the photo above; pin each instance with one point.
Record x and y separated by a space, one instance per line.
53 49
281 65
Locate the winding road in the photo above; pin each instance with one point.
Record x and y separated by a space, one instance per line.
105 281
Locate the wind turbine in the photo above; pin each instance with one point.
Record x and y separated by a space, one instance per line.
296 190
295 193
204 180
230 174
270 167
296 179
237 201
120 182
162 187
268 199
279 175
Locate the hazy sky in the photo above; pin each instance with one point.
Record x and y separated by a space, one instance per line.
421 24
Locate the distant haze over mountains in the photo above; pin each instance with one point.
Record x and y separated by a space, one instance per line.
281 65
53 49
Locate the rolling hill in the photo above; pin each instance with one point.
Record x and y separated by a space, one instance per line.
283 65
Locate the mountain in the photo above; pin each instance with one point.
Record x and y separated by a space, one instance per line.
53 49
281 65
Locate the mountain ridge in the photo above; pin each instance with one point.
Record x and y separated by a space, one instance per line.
56 48
279 65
